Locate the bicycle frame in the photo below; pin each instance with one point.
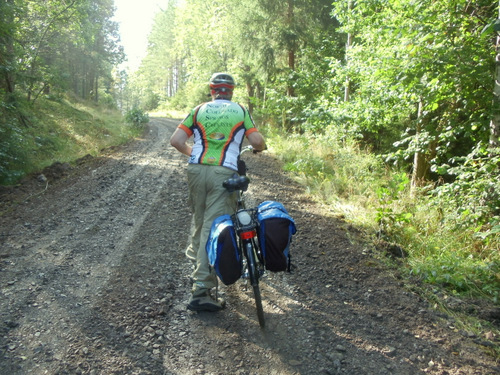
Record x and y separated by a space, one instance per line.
246 224
246 228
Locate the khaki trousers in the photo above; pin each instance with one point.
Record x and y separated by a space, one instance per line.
208 199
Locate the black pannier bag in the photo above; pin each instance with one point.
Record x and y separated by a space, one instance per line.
222 249
275 231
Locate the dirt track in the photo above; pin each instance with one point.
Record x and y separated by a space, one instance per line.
93 280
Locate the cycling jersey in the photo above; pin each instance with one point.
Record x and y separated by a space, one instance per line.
218 128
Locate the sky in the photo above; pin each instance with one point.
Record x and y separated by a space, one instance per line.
135 18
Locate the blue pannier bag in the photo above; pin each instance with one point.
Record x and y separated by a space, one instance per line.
222 250
275 231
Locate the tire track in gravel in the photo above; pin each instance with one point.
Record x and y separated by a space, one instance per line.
59 263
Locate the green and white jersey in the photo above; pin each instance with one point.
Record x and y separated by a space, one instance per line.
218 128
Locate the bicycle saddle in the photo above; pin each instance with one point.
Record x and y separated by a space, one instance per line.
236 183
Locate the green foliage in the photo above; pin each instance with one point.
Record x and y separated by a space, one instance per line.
137 117
11 151
151 101
329 166
405 55
252 40
14 124
189 97
441 248
419 81
459 262
57 46
473 198
461 275
35 136
388 217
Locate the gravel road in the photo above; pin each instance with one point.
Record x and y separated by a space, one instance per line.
93 280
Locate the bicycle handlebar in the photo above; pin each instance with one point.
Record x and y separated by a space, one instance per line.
246 148
249 148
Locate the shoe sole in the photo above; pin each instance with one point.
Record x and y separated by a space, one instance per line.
204 308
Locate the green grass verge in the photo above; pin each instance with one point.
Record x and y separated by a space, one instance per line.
442 260
357 186
35 136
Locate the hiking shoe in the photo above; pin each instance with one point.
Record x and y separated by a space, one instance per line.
203 301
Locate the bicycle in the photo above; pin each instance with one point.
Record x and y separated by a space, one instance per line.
245 223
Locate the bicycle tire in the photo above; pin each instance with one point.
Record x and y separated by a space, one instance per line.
254 280
258 305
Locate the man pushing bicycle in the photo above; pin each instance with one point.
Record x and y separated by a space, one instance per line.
218 128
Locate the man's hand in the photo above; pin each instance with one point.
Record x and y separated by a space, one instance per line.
255 151
257 141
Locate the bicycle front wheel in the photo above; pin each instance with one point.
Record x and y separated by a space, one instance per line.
254 280
258 305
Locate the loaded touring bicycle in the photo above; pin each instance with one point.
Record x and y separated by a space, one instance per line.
250 241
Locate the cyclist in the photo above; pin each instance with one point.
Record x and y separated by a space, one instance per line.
218 129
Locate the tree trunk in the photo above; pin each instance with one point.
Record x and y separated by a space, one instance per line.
96 89
7 57
348 45
250 94
420 164
495 121
291 50
89 84
291 59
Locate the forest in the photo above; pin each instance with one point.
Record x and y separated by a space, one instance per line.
388 110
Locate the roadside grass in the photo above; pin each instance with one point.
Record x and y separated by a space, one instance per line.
170 113
437 255
61 130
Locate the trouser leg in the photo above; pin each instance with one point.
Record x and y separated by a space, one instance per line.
209 200
194 241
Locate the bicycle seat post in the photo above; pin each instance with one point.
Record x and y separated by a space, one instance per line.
241 201
238 184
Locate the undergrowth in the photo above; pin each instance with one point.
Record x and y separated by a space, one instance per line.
358 186
55 129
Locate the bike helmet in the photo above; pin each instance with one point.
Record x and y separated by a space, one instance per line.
222 81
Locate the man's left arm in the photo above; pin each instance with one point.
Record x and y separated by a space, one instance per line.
179 139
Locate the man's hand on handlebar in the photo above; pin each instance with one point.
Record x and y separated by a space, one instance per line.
257 151
251 148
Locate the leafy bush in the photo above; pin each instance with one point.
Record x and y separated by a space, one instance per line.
151 100
451 237
11 152
390 214
189 97
137 117
12 139
473 198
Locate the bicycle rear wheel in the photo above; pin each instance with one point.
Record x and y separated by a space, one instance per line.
254 280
